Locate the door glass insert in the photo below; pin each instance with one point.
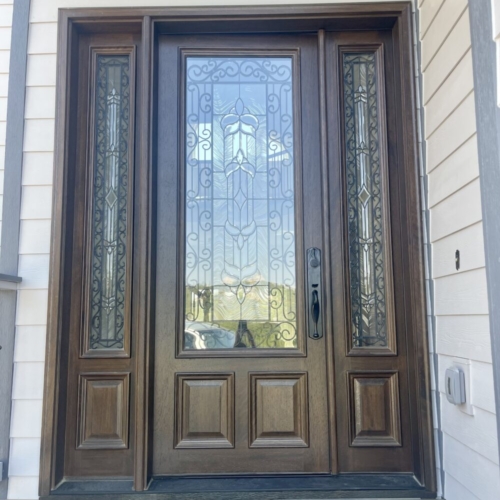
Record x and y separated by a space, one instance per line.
240 274
366 223
108 275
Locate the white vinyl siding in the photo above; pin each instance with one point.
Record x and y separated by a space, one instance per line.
470 446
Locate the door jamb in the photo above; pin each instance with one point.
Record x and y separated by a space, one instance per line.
150 22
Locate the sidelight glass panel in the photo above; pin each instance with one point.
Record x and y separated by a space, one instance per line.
367 261
110 198
240 276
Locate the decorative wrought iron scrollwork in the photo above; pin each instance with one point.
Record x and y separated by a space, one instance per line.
364 197
240 231
109 202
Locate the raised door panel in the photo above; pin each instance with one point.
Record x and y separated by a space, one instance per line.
374 409
205 411
278 410
104 411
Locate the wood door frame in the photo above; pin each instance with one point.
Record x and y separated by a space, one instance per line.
148 23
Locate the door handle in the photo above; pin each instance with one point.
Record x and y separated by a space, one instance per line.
314 292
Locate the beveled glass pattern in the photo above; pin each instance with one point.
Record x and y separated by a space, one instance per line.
109 204
240 230
364 198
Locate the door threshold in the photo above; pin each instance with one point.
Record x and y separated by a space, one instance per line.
271 487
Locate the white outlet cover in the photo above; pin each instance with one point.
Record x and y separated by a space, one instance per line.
465 365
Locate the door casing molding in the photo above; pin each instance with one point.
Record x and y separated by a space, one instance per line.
148 23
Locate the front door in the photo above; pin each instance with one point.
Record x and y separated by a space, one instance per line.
237 282
240 343
276 338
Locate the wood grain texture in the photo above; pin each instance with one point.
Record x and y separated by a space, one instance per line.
103 421
204 410
279 410
153 450
364 458
144 259
374 409
169 275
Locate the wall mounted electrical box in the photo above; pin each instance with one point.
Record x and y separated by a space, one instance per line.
455 385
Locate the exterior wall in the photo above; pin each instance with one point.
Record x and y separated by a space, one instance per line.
5 37
495 9
470 450
460 300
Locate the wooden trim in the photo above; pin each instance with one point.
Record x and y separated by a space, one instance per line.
327 264
50 473
150 22
383 12
412 232
144 275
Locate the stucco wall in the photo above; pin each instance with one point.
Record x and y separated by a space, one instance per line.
460 300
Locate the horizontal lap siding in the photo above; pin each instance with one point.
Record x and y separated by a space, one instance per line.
470 448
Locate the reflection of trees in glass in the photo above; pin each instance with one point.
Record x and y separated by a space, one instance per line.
240 234
278 330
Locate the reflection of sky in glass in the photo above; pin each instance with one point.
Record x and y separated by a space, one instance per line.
240 235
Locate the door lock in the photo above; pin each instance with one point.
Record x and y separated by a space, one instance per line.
314 294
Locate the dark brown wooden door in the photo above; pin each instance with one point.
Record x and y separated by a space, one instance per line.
240 384
238 273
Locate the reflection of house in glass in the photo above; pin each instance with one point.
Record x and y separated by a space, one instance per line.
240 230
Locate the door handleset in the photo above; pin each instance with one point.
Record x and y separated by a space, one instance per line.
314 294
